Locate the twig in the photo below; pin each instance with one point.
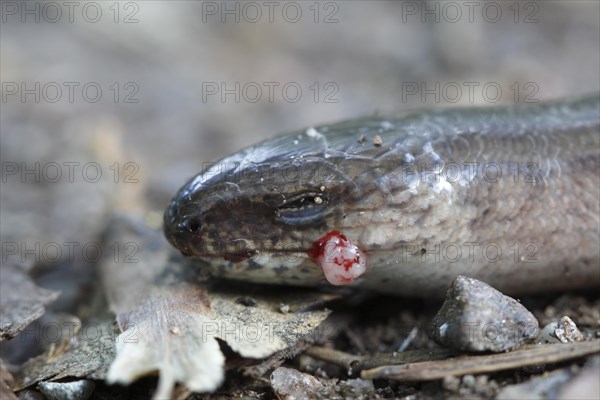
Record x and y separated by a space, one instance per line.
533 355
357 362
259 370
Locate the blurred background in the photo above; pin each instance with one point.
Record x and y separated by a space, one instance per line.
101 99
186 82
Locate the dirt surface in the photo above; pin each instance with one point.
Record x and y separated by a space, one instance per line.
110 108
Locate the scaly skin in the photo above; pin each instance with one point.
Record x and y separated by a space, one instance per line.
510 196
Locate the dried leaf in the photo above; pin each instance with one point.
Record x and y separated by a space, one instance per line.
6 379
162 315
87 354
21 301
171 316
167 334
261 330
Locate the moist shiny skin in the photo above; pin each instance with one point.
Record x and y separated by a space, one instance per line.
509 195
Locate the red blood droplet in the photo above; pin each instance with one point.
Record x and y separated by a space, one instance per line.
341 260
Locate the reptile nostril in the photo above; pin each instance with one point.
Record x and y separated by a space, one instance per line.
185 251
193 225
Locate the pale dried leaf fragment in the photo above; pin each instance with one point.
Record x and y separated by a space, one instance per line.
180 345
537 387
262 330
163 315
585 384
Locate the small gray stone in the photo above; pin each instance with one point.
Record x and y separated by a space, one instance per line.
356 388
451 383
76 390
290 383
476 317
547 333
468 381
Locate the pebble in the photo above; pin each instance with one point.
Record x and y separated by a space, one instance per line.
355 388
547 334
451 383
290 383
567 331
563 331
468 380
476 317
76 390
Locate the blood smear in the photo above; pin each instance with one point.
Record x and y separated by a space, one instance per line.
340 259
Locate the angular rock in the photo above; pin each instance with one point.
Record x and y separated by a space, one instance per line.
567 331
562 331
476 317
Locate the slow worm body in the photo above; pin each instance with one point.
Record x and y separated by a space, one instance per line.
507 195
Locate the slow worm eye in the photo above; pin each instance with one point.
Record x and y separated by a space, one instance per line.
302 209
302 202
